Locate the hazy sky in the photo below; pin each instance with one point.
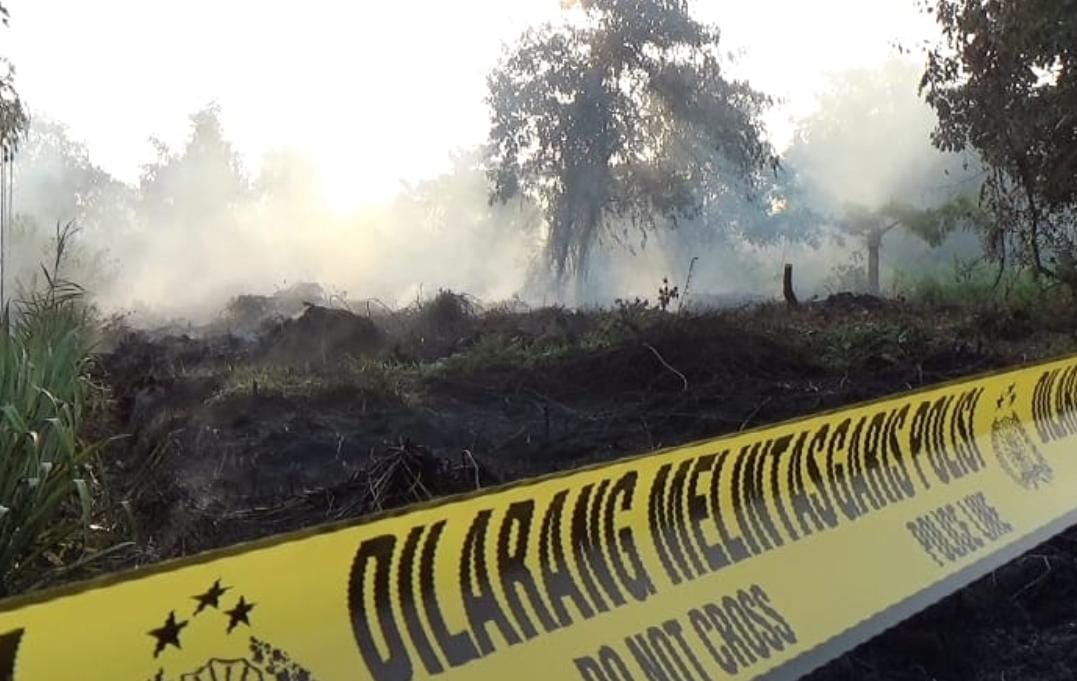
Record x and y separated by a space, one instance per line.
372 92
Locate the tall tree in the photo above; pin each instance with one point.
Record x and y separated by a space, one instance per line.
58 182
193 201
13 122
621 114
1003 81
867 162
13 118
932 225
198 187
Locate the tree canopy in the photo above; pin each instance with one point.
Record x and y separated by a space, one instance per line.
13 118
868 166
58 182
198 186
1003 81
621 115
868 143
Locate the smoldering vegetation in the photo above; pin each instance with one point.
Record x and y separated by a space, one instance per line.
199 231
203 231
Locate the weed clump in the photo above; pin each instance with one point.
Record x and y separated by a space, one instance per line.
447 315
438 327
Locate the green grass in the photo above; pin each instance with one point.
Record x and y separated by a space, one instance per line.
976 284
851 345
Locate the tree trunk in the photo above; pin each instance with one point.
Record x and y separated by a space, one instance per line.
875 240
787 287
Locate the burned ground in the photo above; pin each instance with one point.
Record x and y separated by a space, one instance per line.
331 415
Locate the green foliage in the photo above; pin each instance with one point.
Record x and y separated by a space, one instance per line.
622 117
45 483
858 344
488 352
974 284
13 117
934 224
866 164
1002 82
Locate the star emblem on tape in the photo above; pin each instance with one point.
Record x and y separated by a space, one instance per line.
211 598
239 614
168 634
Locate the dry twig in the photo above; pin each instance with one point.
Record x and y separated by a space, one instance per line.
667 365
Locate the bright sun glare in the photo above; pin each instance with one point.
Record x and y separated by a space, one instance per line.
372 97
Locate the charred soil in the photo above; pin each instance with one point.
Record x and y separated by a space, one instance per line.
333 415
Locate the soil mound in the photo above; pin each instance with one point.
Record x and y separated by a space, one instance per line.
321 335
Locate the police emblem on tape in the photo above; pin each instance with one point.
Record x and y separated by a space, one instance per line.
1016 452
264 663
261 661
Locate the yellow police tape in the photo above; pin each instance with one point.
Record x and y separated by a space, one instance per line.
765 553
